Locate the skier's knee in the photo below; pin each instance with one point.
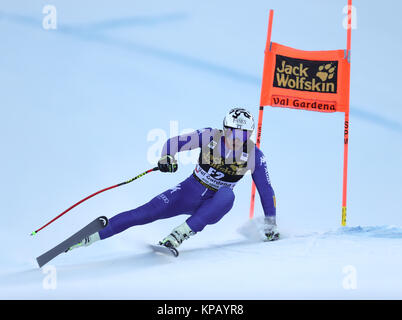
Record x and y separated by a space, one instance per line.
221 204
226 194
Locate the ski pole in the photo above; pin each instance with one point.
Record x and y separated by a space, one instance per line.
94 194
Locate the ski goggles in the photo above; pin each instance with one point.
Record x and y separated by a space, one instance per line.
232 133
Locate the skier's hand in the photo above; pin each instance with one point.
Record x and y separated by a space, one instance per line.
167 164
270 229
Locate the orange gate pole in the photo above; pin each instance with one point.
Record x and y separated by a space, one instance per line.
261 113
346 127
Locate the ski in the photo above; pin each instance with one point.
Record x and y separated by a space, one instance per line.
165 250
95 226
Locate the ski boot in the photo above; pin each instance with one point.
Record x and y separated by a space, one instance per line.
87 241
176 237
270 229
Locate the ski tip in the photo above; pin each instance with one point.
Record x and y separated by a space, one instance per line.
40 263
33 233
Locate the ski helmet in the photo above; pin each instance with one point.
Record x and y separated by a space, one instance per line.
239 118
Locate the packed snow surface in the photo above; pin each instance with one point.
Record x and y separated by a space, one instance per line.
88 104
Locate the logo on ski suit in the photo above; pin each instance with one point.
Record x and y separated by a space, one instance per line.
214 171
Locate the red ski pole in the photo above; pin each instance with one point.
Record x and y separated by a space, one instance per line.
94 194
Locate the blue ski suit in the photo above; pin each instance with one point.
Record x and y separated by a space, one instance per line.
207 194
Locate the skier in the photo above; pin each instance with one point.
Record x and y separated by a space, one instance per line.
207 194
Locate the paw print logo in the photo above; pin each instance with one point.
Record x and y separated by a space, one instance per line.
325 72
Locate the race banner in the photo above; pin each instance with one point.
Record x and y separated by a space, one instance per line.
305 80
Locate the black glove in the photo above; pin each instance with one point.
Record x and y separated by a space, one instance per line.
270 229
167 164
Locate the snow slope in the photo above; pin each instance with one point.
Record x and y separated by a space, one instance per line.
80 105
312 265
